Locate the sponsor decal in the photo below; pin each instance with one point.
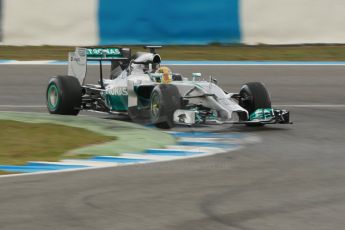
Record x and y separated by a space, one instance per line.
99 52
118 91
74 58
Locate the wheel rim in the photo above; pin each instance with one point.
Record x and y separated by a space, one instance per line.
155 105
53 97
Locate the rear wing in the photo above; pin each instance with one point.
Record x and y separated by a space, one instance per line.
77 60
97 54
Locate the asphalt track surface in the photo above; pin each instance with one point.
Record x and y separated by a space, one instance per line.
293 179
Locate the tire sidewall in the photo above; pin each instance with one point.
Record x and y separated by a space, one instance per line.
69 95
169 102
156 118
259 96
54 83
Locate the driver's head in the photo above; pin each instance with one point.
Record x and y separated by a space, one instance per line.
164 69
167 74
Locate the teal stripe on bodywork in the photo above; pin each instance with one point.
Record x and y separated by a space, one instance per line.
261 114
117 103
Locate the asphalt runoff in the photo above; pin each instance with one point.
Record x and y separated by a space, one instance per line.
293 179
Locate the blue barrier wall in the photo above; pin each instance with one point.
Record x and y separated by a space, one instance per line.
168 22
104 22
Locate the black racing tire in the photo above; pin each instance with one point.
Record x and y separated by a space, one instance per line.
254 95
63 95
165 100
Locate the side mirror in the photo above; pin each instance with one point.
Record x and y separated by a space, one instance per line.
196 76
213 80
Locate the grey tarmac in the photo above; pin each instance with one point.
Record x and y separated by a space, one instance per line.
293 179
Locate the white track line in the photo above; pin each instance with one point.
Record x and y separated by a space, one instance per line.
23 106
313 106
85 163
149 157
193 63
255 64
210 153
279 105
197 149
214 140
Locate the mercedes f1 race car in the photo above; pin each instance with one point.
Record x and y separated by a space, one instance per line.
139 86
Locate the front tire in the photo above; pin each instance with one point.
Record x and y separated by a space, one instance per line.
165 100
254 95
63 95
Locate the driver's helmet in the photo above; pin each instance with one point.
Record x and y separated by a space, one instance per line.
167 74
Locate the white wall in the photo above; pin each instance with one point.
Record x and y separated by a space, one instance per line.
292 21
50 22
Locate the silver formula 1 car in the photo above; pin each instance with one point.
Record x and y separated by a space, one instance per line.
139 87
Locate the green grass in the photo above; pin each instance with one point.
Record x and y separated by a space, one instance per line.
22 142
6 173
211 52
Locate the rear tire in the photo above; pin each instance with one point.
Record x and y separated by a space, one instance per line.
165 100
63 95
254 95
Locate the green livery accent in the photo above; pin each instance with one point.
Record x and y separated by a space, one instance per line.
53 97
117 103
157 77
103 52
199 118
198 86
262 114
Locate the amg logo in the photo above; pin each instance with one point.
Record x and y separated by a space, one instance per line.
119 91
